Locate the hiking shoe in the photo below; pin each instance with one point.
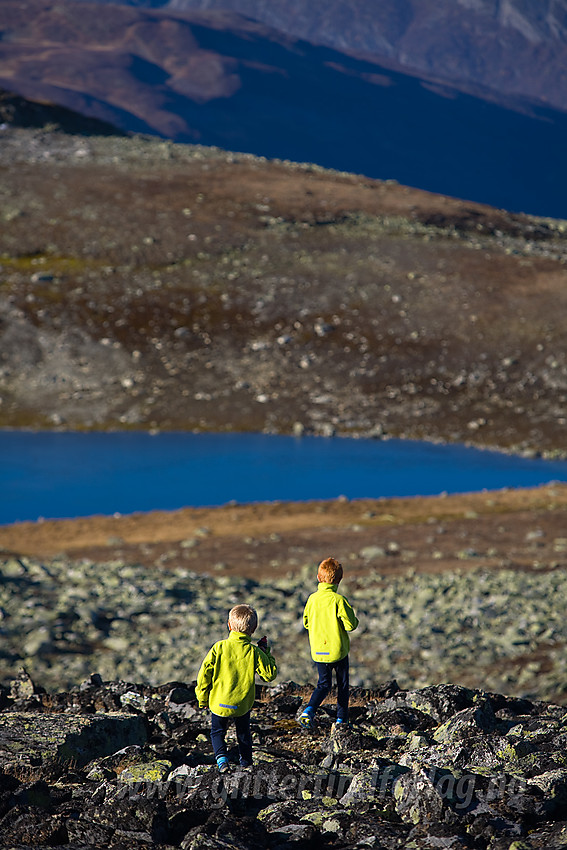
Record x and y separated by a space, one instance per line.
223 766
306 720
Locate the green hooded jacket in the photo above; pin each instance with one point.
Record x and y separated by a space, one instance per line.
225 681
329 616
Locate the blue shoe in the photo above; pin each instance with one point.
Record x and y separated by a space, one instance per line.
222 764
340 721
306 719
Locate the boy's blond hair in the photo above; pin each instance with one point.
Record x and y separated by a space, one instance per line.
330 571
243 618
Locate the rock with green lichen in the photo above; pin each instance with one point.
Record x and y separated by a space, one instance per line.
149 771
460 768
467 723
33 738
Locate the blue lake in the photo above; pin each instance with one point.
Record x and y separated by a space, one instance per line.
56 475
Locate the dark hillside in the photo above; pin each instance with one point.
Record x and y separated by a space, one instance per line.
18 111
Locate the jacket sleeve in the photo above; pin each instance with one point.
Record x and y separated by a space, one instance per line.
265 665
205 677
306 615
346 615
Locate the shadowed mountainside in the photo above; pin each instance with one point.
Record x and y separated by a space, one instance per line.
514 48
17 111
146 284
218 79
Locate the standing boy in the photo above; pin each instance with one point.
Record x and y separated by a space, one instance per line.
225 683
329 616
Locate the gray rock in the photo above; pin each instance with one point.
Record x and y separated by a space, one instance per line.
22 687
553 783
467 723
36 738
369 553
426 796
84 616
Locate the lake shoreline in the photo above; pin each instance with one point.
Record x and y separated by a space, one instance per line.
278 528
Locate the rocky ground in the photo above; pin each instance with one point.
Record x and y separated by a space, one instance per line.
119 764
145 284
466 589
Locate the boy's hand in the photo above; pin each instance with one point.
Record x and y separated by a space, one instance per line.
263 643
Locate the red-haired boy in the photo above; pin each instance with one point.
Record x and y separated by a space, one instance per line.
329 617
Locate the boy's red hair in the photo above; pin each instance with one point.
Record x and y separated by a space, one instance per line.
330 571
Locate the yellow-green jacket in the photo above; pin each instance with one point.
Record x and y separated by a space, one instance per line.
329 616
225 681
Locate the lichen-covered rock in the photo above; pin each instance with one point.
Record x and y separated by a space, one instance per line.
440 702
131 821
295 834
427 796
147 771
467 723
553 783
438 768
345 740
22 687
404 718
30 738
32 828
374 784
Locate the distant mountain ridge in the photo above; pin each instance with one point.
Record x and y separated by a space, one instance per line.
216 78
513 47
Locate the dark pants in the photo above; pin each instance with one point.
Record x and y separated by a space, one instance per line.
219 725
325 672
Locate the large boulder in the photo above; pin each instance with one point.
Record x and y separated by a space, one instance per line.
33 739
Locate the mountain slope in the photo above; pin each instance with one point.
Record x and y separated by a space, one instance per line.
220 80
514 47
152 285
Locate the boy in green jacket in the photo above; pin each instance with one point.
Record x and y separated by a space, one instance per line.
225 682
329 617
